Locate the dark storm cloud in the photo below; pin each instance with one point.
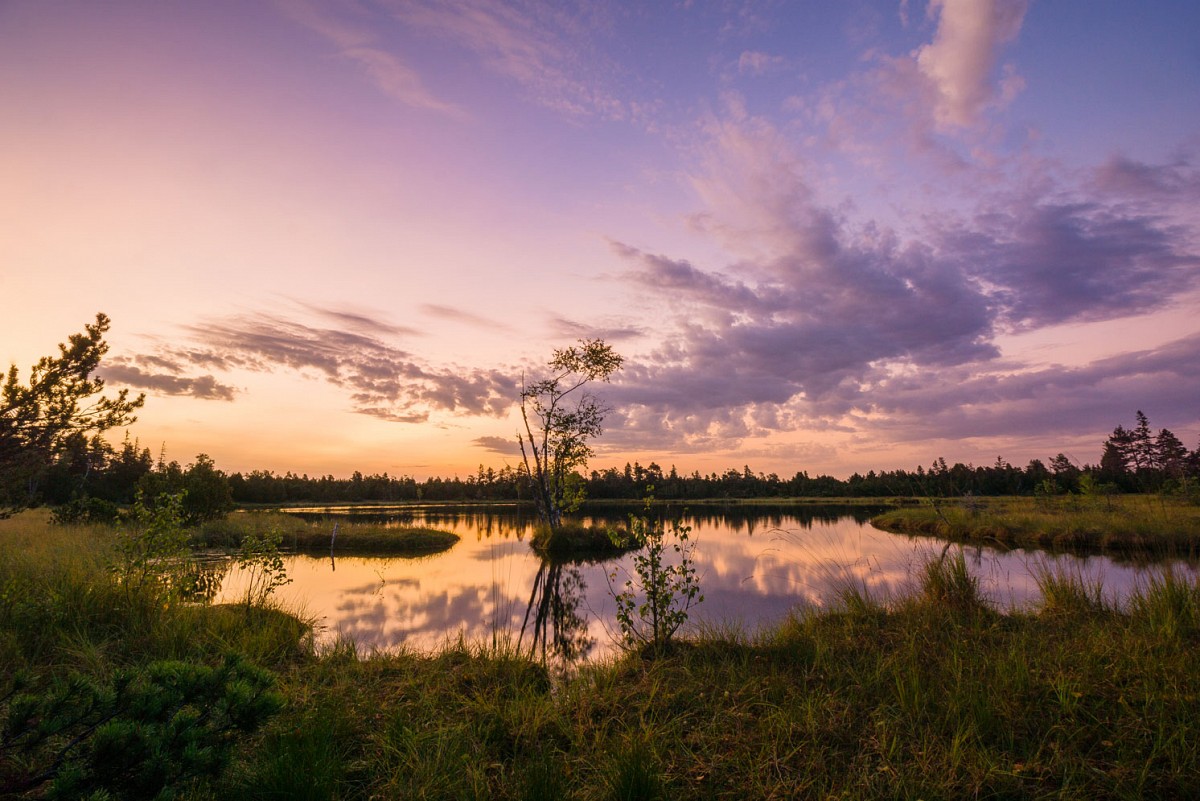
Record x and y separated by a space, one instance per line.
809 328
165 380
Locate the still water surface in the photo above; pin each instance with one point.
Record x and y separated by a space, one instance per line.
755 565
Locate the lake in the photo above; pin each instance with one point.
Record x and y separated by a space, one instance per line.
756 563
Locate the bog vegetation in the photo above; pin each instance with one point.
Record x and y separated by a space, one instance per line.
117 687
121 679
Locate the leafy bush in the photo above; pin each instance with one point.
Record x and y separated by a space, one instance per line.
265 572
85 509
153 548
655 599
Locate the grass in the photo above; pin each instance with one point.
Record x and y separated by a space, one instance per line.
931 693
304 535
1131 526
573 540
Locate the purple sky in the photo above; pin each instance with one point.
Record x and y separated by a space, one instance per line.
826 236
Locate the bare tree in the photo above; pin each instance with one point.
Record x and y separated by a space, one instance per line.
560 417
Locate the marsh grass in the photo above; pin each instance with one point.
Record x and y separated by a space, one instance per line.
298 534
1131 526
62 605
1067 591
927 694
573 541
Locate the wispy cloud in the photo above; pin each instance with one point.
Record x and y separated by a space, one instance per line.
755 62
612 332
348 27
1057 399
160 376
505 446
460 316
547 48
380 379
1179 180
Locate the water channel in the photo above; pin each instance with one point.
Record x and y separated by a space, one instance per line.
755 563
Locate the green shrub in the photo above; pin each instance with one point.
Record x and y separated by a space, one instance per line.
139 733
654 601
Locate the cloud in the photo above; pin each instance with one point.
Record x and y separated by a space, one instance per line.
961 60
563 327
359 320
356 43
753 62
460 316
505 446
818 320
1055 400
380 379
1053 262
126 372
1124 176
547 48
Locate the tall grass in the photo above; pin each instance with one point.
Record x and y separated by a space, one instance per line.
927 694
298 534
1125 525
61 605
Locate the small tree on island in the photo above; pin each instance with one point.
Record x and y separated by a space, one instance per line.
560 417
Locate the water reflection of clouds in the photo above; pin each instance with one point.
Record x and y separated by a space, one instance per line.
500 550
755 566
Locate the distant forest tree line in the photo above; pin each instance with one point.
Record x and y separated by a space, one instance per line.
91 473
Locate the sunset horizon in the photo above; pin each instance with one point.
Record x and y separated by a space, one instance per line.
826 238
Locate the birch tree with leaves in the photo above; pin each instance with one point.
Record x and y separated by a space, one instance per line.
560 418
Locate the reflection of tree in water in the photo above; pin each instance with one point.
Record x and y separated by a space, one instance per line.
557 627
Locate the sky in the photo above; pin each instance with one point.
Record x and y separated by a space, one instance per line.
832 237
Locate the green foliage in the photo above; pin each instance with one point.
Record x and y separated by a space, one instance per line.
873 700
37 419
206 490
85 509
564 418
152 549
635 774
949 583
575 541
654 600
262 563
1125 526
299 534
142 733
